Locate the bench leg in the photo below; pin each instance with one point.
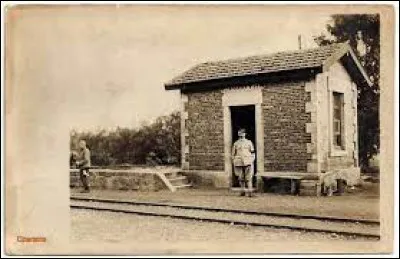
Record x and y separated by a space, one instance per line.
319 189
259 184
341 184
293 186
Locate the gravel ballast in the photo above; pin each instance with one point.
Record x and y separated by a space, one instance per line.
111 227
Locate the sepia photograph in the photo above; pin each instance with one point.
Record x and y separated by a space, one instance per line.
199 129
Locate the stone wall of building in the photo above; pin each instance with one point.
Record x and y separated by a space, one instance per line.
336 79
205 131
285 119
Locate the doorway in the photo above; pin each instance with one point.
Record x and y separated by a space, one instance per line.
243 117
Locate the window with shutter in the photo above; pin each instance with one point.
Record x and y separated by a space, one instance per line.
338 120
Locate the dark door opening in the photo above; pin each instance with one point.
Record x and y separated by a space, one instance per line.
244 117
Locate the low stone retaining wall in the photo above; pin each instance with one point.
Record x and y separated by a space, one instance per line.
138 180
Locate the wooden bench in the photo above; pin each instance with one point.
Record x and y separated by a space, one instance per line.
294 177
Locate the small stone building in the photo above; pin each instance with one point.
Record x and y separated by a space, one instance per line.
299 108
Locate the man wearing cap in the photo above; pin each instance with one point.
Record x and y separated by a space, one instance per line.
83 163
243 158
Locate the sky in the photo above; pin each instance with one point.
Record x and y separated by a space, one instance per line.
103 67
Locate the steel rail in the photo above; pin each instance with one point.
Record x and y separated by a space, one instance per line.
228 221
258 213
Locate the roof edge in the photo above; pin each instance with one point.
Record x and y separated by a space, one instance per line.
179 86
361 68
245 79
169 86
346 48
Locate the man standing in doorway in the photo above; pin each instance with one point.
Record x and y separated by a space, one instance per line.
83 163
243 157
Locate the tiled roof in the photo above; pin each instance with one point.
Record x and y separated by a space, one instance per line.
262 64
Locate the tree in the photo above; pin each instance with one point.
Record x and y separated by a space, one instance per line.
158 141
345 28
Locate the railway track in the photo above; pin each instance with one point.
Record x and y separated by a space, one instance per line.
350 227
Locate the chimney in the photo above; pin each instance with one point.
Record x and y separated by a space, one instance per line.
299 40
